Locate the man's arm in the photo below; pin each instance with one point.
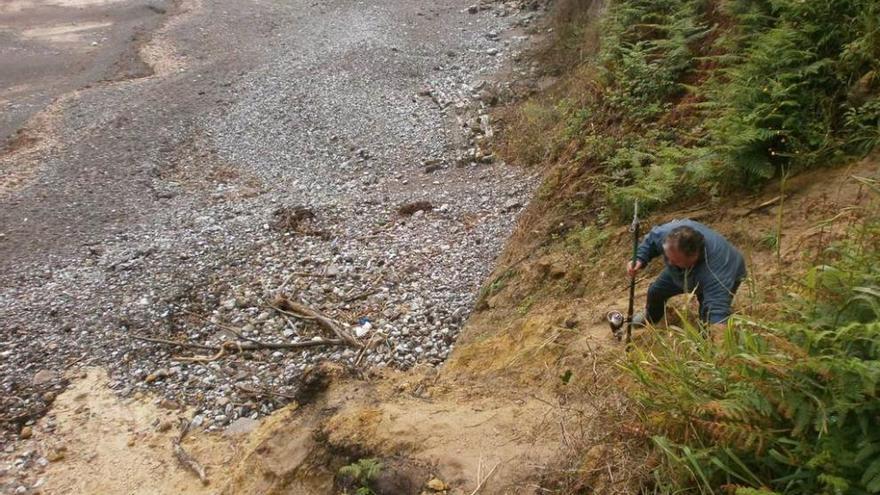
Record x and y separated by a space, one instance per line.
652 245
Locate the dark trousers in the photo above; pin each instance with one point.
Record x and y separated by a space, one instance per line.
667 286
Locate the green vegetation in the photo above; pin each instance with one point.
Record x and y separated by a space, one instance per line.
361 474
788 406
697 97
678 102
586 241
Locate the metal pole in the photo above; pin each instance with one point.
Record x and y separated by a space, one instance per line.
634 228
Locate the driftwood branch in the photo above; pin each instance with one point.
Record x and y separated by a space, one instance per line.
234 346
183 457
297 310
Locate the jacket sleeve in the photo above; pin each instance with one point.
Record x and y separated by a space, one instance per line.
651 246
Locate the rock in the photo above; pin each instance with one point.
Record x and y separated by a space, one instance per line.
289 219
197 421
241 426
164 426
56 455
437 485
157 375
43 377
473 9
512 205
430 168
222 401
169 404
26 433
411 208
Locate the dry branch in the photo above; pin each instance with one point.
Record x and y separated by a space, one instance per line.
482 482
764 205
229 345
183 457
297 310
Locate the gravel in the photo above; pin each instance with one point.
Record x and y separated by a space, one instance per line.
159 211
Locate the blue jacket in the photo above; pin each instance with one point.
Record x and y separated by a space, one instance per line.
716 276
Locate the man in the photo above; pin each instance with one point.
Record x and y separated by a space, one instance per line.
698 260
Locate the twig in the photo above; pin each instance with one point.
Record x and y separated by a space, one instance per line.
285 313
361 295
206 359
763 205
235 331
360 356
480 485
298 310
190 345
252 346
263 392
183 457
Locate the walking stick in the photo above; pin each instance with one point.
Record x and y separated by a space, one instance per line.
634 228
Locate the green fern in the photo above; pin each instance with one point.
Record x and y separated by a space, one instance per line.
361 474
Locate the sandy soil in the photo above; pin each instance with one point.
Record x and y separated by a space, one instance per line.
100 443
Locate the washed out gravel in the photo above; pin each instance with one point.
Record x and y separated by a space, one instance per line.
173 186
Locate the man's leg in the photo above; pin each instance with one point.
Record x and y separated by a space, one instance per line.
658 293
704 309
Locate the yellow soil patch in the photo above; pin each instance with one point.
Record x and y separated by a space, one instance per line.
64 33
19 5
112 445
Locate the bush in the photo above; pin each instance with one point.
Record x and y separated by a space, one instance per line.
777 407
706 96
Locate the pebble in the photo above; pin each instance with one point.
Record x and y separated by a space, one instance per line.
43 377
437 485
55 455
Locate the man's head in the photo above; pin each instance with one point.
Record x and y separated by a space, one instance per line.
683 247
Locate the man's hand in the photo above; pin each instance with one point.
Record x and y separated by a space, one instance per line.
631 269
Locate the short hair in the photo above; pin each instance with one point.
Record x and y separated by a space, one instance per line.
685 240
